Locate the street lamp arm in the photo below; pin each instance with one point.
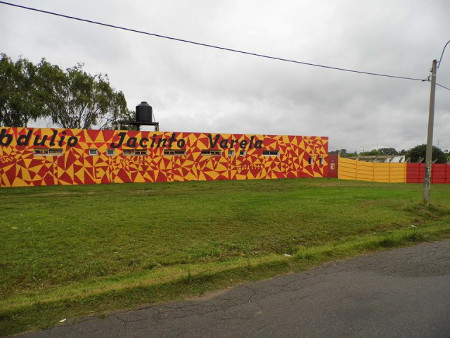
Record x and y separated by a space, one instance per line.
442 54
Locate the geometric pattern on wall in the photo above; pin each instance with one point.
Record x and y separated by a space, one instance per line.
43 156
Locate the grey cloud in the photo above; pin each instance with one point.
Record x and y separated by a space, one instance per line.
197 89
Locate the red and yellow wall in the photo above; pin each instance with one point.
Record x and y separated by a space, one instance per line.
33 157
349 169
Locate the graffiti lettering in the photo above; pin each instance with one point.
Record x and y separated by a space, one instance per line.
39 140
5 139
225 143
60 138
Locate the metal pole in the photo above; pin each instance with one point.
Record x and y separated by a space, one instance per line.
428 161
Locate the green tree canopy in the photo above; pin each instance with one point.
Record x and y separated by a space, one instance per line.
373 152
418 153
20 94
388 151
70 98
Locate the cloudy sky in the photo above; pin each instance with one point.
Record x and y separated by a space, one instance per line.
194 88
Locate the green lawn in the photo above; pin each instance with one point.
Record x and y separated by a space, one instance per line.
68 251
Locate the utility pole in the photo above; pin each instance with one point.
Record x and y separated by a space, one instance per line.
428 158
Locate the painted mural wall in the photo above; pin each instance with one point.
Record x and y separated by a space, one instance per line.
34 157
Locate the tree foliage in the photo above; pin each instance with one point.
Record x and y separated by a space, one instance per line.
418 153
71 98
20 94
388 151
380 152
373 152
343 153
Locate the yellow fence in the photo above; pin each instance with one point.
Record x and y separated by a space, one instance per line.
370 171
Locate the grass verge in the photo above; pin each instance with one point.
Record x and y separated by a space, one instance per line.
76 251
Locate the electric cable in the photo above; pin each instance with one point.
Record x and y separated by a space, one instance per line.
437 84
214 46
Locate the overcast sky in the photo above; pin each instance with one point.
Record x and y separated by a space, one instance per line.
199 89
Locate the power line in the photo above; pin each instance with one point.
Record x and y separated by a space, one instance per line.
214 46
437 84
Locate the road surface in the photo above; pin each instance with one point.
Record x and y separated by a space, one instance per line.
397 293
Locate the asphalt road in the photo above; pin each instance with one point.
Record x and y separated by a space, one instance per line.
397 293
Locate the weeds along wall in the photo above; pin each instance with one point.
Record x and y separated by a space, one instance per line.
35 156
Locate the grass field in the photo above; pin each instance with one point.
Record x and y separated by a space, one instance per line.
70 251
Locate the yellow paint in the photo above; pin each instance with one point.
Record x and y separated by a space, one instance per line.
371 171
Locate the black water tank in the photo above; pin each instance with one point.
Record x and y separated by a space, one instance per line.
144 112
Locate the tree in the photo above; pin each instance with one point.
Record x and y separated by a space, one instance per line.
373 152
70 98
388 151
76 99
380 152
419 153
20 99
340 152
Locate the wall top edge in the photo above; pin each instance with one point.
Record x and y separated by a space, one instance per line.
148 132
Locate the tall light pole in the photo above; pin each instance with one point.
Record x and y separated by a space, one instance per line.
428 157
